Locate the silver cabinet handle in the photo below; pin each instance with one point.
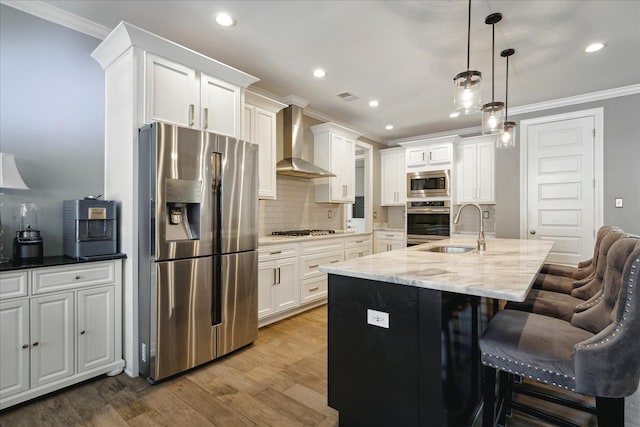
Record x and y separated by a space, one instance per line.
192 108
25 345
278 275
359 241
334 261
532 231
83 332
423 156
274 277
314 266
206 118
314 289
35 344
430 155
77 277
275 252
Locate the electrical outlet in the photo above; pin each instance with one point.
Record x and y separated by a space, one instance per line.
375 214
378 318
485 214
618 202
330 214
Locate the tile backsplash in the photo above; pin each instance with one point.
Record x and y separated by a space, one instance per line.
469 219
294 209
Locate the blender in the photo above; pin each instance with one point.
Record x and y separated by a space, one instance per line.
27 245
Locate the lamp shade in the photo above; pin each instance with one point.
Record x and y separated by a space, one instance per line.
9 175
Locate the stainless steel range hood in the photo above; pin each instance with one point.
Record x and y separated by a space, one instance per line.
292 164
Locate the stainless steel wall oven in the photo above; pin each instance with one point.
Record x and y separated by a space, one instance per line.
427 221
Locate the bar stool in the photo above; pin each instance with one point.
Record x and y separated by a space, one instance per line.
597 354
562 305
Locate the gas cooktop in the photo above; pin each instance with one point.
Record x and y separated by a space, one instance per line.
303 233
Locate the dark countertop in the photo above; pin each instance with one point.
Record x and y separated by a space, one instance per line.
51 261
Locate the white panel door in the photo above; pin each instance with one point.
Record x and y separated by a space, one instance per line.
95 332
220 106
485 172
266 287
52 344
265 137
14 347
560 165
389 175
170 92
287 284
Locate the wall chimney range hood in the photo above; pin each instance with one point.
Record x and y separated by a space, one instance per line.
292 164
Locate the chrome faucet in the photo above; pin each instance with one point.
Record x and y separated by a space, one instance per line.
481 243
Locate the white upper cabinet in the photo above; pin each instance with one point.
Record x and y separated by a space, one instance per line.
171 93
334 150
475 172
393 177
220 106
259 127
179 95
433 153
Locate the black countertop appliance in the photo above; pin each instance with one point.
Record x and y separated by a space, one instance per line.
27 245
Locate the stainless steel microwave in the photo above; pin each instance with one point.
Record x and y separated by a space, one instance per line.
428 183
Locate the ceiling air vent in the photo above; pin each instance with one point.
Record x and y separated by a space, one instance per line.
347 96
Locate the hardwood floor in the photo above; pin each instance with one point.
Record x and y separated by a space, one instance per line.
280 380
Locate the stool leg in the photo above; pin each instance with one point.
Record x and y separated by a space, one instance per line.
610 411
489 396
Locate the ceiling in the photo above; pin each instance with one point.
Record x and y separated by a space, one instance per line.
402 53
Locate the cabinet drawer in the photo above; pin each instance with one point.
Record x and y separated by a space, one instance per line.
13 284
358 252
356 241
310 264
59 278
313 289
323 246
270 253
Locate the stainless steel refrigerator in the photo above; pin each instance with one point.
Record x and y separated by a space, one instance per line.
198 263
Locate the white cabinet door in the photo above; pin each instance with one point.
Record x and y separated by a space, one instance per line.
485 180
52 344
416 157
171 93
476 171
439 154
14 347
220 102
467 173
266 288
343 166
265 137
393 177
248 114
95 329
287 284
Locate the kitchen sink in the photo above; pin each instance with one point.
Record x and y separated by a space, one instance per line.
449 249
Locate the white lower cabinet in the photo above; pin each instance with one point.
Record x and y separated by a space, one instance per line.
389 241
66 328
277 279
290 280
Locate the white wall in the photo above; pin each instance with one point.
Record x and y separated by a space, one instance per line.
51 119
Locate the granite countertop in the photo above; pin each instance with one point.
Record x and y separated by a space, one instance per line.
506 270
52 261
274 240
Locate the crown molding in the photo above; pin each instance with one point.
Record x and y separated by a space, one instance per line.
574 100
57 16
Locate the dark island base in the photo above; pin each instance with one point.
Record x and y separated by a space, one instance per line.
423 370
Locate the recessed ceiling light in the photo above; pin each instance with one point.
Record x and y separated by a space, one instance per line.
373 103
594 47
388 127
454 114
319 73
225 20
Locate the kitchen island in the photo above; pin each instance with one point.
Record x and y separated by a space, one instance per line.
403 328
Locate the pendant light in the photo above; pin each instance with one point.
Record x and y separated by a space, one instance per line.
492 120
507 138
466 98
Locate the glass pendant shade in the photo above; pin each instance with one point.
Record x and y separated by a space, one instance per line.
467 85
492 118
507 138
